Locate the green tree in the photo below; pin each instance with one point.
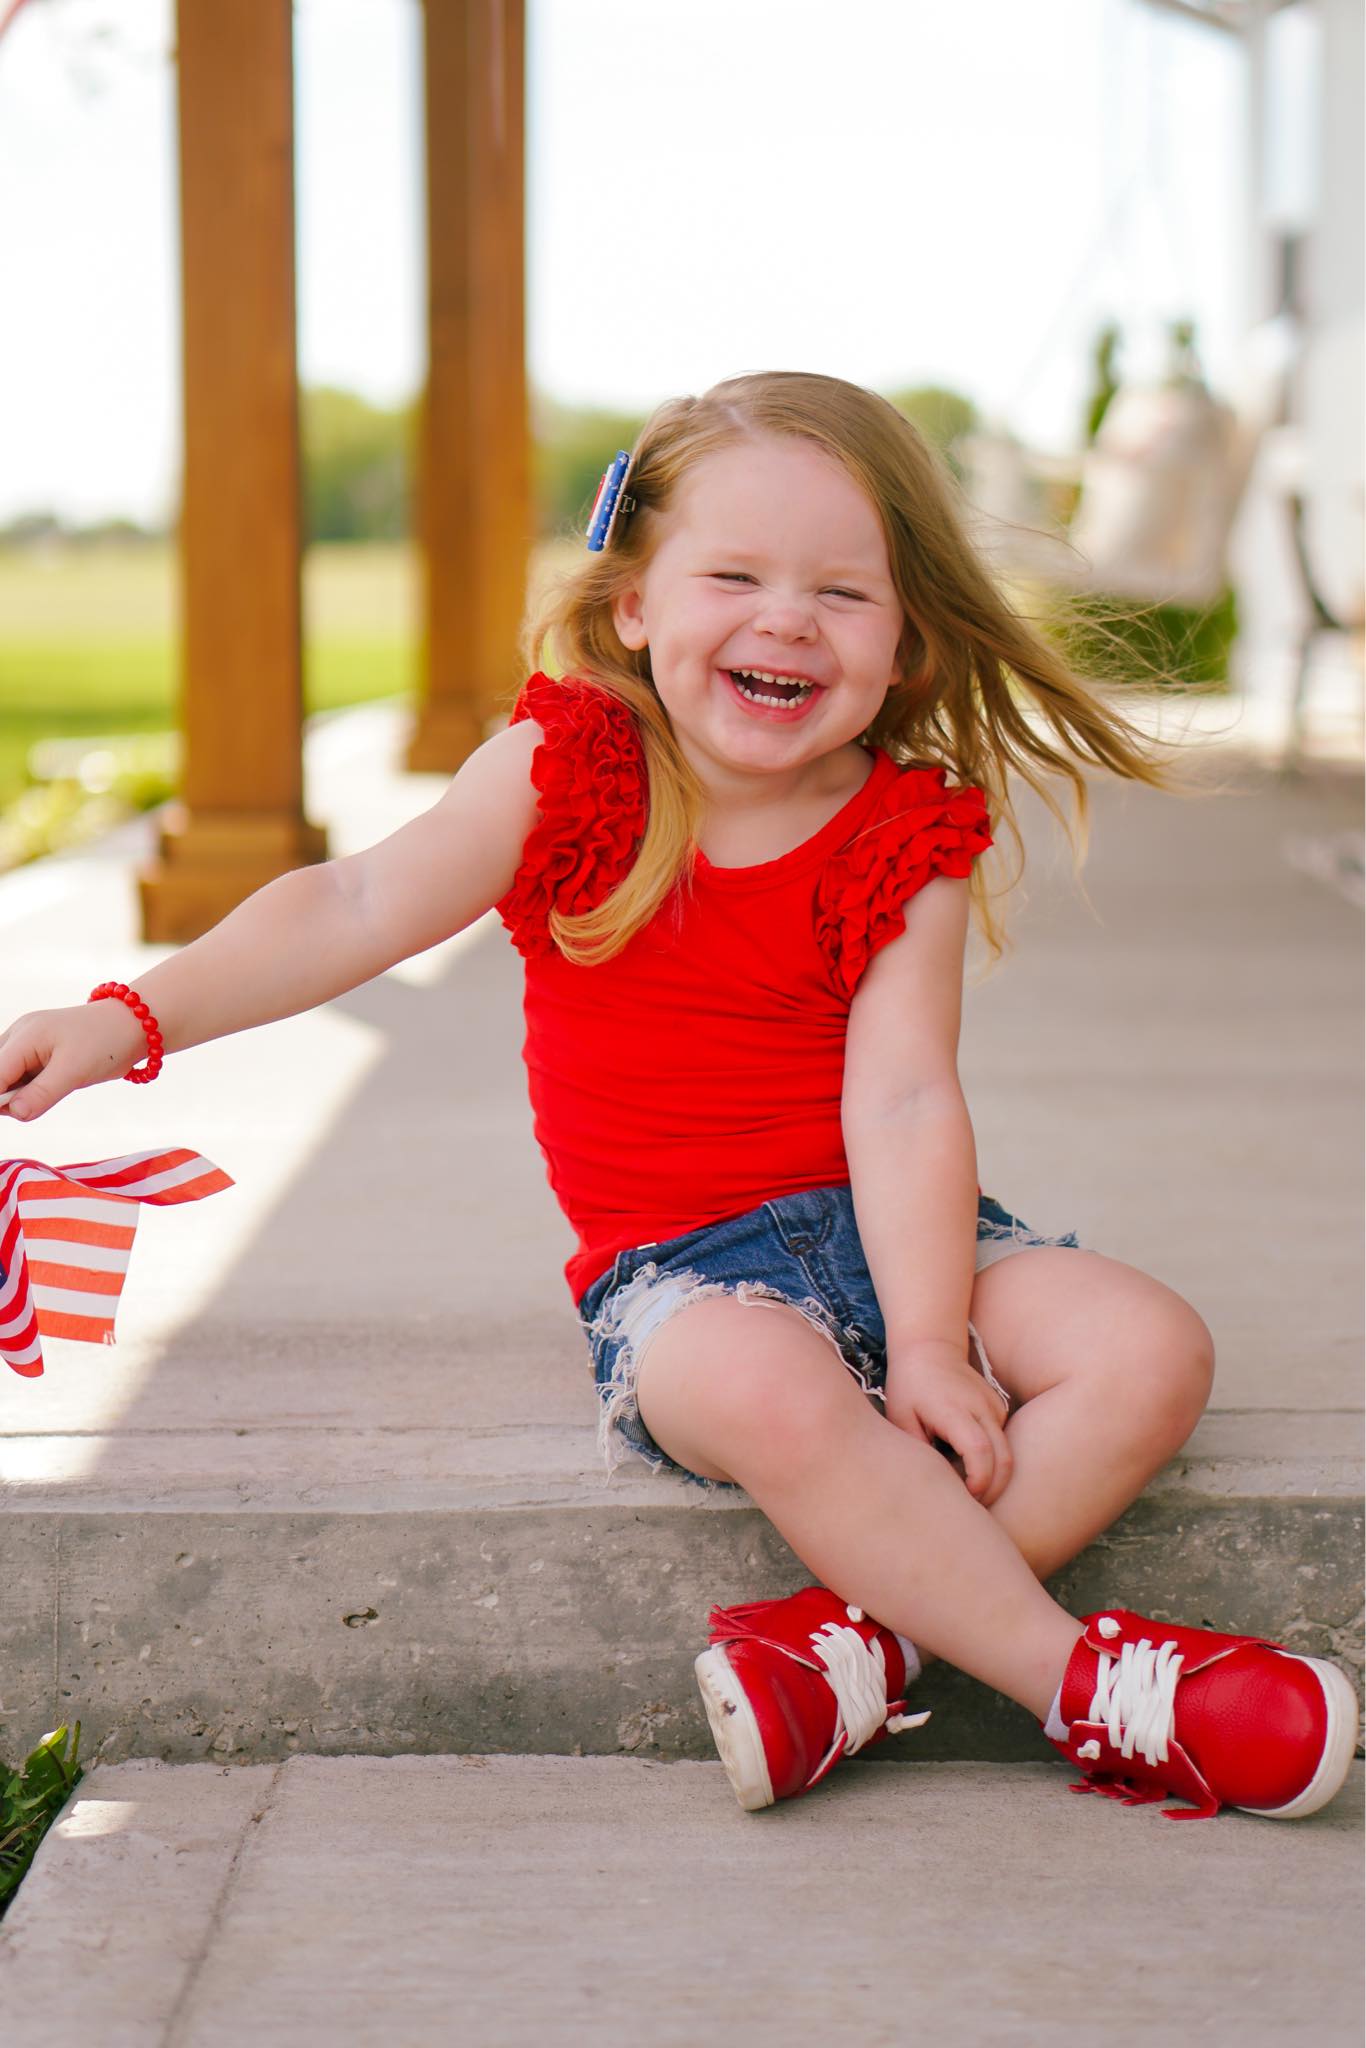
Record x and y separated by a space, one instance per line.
1104 378
358 462
357 467
943 417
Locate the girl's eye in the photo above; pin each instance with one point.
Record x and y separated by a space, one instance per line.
739 576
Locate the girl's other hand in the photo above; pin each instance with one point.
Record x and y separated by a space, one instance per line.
48 1055
941 1396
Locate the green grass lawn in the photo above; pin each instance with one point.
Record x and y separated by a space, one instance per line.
89 640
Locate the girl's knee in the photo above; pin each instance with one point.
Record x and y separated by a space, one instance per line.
748 1386
1173 1366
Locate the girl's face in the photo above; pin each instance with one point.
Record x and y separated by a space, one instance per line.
772 559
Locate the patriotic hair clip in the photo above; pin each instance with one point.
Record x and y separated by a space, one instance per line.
608 503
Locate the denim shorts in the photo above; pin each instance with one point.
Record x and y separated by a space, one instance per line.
801 1249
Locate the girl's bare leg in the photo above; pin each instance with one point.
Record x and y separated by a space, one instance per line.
1113 1370
751 1392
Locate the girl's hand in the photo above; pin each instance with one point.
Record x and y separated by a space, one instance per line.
48 1055
938 1394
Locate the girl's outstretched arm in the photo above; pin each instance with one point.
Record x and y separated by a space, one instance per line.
913 1176
310 935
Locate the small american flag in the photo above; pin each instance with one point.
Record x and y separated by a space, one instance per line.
65 1236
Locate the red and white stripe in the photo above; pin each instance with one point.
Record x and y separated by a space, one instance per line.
66 1233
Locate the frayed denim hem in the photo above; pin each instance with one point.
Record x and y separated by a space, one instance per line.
998 1240
807 1241
634 1316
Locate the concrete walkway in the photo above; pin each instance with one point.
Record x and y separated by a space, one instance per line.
418 1902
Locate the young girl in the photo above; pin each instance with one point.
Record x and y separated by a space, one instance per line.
736 843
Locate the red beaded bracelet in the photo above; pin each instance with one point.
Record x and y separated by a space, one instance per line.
155 1043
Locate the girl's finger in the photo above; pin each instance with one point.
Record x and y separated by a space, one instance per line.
1002 1471
8 1095
17 1068
39 1090
14 1064
1003 1461
973 1446
911 1425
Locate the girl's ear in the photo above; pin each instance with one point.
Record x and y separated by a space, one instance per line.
628 616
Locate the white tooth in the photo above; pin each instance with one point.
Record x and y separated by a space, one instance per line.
762 676
757 697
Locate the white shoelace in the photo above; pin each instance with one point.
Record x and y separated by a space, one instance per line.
858 1678
1136 1698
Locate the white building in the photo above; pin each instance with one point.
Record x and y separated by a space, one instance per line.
1304 216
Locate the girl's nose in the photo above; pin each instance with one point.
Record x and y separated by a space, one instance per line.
785 618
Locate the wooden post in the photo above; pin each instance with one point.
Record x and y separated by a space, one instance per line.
240 821
473 457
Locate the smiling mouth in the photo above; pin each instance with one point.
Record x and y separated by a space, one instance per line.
760 687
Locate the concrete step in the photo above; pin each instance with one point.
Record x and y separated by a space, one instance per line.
191 1596
518 1900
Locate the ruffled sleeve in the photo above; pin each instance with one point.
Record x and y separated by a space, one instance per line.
921 828
589 771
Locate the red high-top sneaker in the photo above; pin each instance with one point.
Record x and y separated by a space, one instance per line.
1155 1712
790 1686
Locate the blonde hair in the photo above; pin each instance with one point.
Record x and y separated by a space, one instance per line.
969 656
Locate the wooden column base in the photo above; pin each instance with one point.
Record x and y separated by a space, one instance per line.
447 732
208 862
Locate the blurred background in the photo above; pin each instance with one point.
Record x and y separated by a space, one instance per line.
1107 253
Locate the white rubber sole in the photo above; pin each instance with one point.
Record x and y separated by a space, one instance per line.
734 1729
1339 1697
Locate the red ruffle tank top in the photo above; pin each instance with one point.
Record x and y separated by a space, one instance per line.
698 1073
